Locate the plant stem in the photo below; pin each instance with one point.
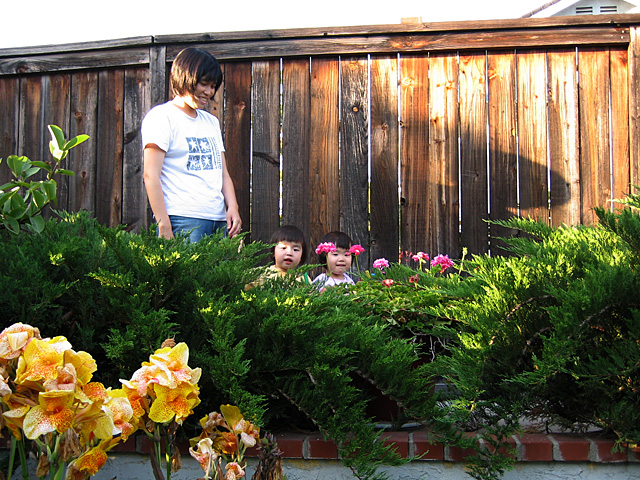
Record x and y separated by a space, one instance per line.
23 459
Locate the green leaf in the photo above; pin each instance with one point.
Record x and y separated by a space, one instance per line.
31 171
75 141
16 164
50 188
63 171
43 165
12 225
57 136
39 199
37 223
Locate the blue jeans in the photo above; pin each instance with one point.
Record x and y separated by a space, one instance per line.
196 228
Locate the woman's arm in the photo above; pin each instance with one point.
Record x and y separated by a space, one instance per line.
153 159
234 223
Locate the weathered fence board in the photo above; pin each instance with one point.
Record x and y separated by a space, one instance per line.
474 175
384 204
414 138
564 153
407 137
266 149
503 154
354 141
324 153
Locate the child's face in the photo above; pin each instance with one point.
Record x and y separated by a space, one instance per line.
339 262
287 254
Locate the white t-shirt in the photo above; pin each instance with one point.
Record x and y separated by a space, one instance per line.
191 175
323 280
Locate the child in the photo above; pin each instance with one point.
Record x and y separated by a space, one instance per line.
334 252
185 169
289 251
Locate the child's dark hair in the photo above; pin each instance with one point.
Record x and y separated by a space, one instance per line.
190 66
291 233
339 239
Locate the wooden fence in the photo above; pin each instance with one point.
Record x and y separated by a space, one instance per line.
407 137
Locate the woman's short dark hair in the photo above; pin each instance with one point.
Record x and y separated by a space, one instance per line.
191 66
291 233
339 239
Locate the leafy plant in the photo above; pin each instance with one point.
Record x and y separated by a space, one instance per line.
23 199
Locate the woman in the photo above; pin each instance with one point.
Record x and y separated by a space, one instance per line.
185 170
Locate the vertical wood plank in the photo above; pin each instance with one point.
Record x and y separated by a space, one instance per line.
385 205
620 160
414 135
444 204
265 184
503 173
158 78
564 145
237 133
56 106
110 148
296 107
32 136
532 135
634 106
354 151
324 154
9 114
593 66
84 107
473 153
136 213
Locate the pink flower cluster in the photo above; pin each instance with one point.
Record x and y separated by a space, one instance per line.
443 260
356 250
326 247
381 263
420 257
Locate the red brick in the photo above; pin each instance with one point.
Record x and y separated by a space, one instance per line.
400 441
320 448
291 444
457 454
602 450
426 449
143 444
633 453
535 447
571 448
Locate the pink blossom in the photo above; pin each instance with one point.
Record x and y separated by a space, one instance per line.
444 261
388 282
356 250
326 247
420 257
414 278
381 263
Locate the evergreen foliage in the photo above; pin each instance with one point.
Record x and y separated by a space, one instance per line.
549 333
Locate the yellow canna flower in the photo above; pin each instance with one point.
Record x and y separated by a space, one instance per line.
119 408
170 402
53 413
41 360
90 462
84 364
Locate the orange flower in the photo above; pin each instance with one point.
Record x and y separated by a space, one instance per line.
174 402
39 362
53 413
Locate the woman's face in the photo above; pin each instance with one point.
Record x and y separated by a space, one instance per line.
339 262
203 93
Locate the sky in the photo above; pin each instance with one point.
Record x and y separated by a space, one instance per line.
40 22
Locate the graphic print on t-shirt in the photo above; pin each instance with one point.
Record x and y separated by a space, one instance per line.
203 154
